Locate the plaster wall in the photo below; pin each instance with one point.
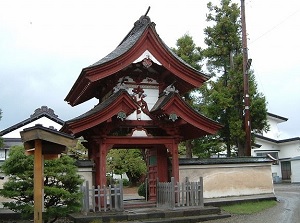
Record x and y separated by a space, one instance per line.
46 122
265 145
289 150
295 167
274 132
221 180
87 175
276 170
150 99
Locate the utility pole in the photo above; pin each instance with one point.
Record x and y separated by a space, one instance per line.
246 66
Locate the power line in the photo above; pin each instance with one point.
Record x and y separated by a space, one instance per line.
274 27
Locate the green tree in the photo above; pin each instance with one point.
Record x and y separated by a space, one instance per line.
79 151
191 54
61 185
129 161
222 96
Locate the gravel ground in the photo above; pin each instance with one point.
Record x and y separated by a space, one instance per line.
287 210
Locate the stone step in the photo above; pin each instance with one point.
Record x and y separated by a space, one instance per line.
187 219
183 214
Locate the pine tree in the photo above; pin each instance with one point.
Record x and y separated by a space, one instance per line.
61 185
222 96
191 54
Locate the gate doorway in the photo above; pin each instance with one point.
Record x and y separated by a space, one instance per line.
286 170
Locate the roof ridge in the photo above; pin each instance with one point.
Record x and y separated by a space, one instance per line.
144 20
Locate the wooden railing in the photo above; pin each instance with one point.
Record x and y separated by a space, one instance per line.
171 195
102 198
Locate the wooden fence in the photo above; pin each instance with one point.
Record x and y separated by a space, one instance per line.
102 198
171 195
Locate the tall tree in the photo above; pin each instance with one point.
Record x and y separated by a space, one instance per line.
61 185
222 96
191 54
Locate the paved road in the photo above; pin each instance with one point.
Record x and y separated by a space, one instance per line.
287 210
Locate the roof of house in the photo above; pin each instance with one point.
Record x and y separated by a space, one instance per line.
227 160
277 116
294 139
44 111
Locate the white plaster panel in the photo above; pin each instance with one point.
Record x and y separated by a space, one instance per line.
230 180
145 55
46 122
295 167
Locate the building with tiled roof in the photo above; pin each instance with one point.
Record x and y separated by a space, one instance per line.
11 135
285 152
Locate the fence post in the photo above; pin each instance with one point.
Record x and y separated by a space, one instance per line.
201 192
87 196
157 192
172 192
110 197
146 186
104 197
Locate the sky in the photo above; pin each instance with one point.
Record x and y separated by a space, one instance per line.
44 45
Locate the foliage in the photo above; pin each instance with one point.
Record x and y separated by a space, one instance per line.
61 185
222 96
207 146
79 151
125 182
191 54
142 190
188 51
249 207
129 161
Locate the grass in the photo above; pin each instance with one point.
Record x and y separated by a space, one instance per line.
249 207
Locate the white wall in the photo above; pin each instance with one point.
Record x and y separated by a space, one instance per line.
221 180
295 167
46 122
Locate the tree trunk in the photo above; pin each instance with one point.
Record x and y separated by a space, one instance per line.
189 148
228 149
241 148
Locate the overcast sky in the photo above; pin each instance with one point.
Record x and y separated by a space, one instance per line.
45 44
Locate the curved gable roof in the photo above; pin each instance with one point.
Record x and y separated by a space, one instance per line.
142 37
195 124
117 102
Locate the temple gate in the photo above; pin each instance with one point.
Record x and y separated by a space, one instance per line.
140 87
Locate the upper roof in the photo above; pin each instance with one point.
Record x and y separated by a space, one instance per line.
93 80
44 111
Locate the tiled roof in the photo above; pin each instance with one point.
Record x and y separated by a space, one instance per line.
99 107
277 116
44 111
131 38
210 161
277 141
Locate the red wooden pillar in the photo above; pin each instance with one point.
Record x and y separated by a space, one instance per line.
152 172
100 172
175 161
